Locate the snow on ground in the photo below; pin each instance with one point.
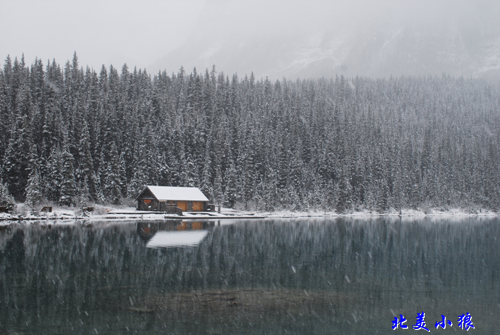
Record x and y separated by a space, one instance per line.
118 213
115 209
405 213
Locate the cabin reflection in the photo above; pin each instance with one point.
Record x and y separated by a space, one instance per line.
173 233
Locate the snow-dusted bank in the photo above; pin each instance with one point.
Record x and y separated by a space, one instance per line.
68 215
145 215
128 214
404 213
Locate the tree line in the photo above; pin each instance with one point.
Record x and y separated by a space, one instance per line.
71 136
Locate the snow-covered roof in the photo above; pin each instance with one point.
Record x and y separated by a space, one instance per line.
163 193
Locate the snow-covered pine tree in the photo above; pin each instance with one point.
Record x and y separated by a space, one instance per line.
230 192
5 197
218 194
112 180
85 174
52 180
34 194
68 185
140 173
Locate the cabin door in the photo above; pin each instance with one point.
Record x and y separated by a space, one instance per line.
197 206
182 205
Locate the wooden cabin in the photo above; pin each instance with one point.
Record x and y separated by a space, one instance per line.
164 198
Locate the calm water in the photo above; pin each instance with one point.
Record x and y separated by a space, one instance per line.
249 277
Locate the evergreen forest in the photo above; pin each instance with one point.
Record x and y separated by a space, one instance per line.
76 136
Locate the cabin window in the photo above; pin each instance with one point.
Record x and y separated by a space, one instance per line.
147 202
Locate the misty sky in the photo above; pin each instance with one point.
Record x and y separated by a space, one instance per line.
100 31
140 33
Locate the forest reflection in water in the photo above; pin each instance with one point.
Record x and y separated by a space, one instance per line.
331 276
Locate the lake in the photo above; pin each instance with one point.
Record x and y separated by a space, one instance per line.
301 276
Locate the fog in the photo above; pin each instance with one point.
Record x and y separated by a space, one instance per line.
270 38
323 38
100 31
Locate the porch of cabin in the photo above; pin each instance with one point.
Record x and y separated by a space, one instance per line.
152 204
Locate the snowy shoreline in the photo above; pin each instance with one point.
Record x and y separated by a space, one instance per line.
405 213
130 214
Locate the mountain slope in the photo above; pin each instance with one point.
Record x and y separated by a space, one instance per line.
419 38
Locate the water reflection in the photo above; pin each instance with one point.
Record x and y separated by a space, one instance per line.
300 277
173 233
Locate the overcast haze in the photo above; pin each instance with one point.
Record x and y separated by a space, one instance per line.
100 31
274 38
